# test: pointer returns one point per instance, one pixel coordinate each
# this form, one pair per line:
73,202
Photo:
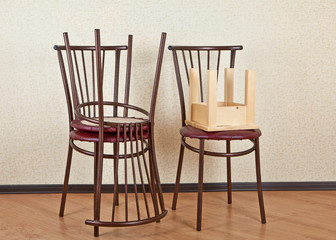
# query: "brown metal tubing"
205,48
178,177
125,162
228,172
208,61
89,119
128,72
133,172
66,88
71,70
116,81
95,182
218,61
185,65
101,132
232,58
259,184
78,78
180,88
62,47
93,84
126,224
116,162
157,76
66,180
86,82
152,191
86,152
140,170
218,154
200,74
200,185
155,169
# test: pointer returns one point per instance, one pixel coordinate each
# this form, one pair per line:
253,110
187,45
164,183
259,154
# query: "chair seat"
92,127
192,132
108,137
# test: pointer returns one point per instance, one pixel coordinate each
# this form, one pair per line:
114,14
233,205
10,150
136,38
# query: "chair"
129,128
186,57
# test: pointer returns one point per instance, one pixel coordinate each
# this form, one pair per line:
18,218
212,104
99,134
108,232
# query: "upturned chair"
190,57
129,128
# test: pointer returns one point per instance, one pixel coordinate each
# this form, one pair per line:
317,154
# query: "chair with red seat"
87,73
186,57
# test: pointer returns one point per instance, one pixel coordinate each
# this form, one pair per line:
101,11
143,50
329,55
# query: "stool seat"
192,132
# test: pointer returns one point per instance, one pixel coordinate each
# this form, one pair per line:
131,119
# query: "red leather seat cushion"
108,137
83,125
192,132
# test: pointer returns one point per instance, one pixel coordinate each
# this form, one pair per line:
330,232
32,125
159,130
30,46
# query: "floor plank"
290,215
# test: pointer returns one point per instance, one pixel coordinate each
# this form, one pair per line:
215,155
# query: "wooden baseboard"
166,188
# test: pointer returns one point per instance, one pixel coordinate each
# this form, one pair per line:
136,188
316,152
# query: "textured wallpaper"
290,45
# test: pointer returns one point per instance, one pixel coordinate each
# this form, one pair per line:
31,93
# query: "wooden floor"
290,215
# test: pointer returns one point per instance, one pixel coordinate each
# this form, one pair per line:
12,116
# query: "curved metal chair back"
186,57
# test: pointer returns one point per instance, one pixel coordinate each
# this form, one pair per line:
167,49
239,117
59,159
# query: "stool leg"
178,177
66,181
228,171
260,194
200,185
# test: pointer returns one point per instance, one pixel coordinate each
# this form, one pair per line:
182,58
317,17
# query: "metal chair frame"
90,107
185,53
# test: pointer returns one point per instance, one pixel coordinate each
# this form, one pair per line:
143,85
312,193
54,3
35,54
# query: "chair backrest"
83,83
202,57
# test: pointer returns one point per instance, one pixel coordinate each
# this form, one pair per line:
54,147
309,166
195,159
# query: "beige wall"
290,44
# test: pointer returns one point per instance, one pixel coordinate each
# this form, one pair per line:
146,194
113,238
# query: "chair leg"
228,171
200,185
115,164
98,184
156,171
66,181
155,179
178,177
260,194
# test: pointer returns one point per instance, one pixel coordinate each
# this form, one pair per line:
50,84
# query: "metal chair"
129,128
186,57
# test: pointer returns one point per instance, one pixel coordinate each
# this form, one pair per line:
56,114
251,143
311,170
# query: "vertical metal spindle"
152,191
116,81
191,60
128,72
116,173
218,61
78,78
133,171
185,65
93,84
232,59
125,158
140,169
86,83
208,62
200,74
103,65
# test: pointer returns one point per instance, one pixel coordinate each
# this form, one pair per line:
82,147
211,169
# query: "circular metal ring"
219,154
89,153
96,120
125,224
